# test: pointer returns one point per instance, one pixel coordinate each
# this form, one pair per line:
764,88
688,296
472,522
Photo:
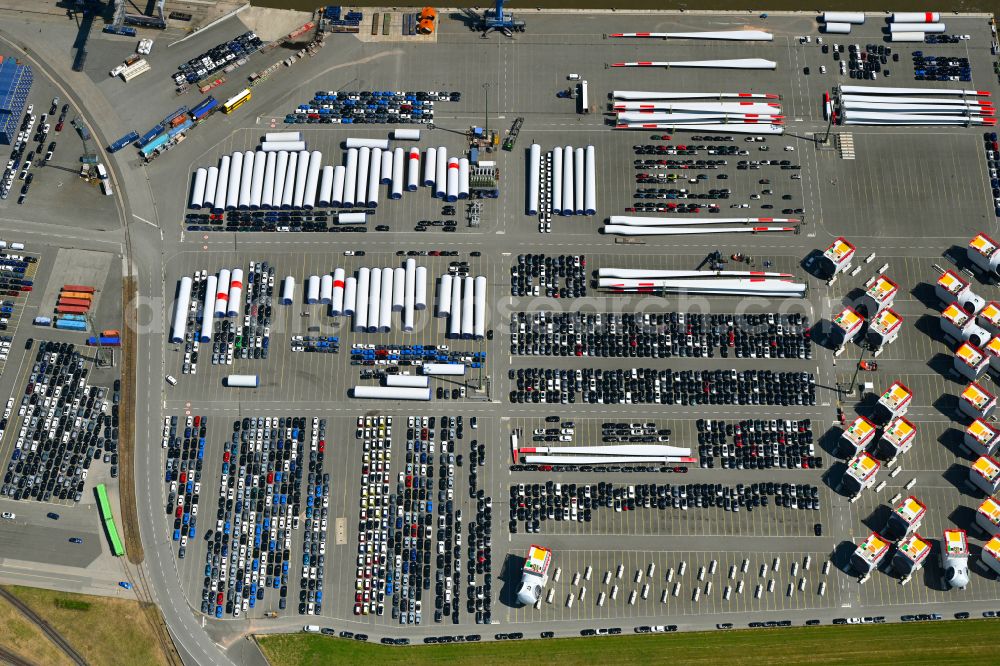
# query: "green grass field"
967,643
105,631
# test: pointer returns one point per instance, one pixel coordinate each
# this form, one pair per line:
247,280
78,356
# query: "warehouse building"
15,84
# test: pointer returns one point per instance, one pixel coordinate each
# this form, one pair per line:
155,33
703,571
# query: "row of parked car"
370,106
249,550
653,386
316,526
185,459
555,276
316,220
992,149
374,577
449,538
66,425
757,444
660,335
535,503
686,148
217,58
940,68
480,575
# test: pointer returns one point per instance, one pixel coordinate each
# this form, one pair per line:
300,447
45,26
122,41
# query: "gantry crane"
495,19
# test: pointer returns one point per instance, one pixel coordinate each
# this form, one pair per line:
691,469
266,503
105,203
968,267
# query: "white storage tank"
288,291
902,37
367,143
916,17
282,136
312,290
242,381
843,17
837,28
290,146
449,369
916,27
412,381
392,392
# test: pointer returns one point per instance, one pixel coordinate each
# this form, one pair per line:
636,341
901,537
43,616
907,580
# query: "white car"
171,380
7,515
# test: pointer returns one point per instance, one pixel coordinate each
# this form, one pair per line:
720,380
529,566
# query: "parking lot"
910,220
670,593
304,378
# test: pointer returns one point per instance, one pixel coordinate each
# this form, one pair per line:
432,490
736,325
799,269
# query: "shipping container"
75,317
150,135
183,127
206,107
154,144
74,301
79,287
111,333
124,141
71,325
179,112
76,294
71,309
104,342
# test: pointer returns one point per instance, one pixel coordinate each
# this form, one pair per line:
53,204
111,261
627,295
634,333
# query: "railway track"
141,586
46,628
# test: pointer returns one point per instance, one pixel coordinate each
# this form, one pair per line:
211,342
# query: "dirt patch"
126,442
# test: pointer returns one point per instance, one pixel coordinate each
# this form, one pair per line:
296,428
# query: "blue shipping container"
124,141
205,108
154,144
150,135
71,325
180,128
